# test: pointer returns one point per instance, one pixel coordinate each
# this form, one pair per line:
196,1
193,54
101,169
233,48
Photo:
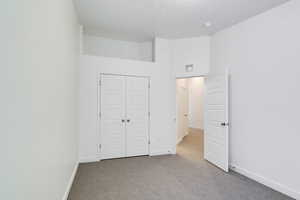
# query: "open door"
216,123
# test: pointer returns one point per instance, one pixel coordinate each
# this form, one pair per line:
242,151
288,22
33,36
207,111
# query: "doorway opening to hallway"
190,118
202,119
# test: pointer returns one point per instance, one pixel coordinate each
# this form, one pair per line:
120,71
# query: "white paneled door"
124,116
137,116
112,126
216,121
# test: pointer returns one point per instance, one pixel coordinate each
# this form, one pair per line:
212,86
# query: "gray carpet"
164,178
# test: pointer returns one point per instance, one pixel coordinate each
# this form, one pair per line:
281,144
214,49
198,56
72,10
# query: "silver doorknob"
128,120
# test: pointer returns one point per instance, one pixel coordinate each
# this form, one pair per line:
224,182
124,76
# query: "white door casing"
112,126
124,121
137,116
216,126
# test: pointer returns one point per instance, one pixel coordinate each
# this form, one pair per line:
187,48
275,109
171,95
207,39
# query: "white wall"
145,52
163,90
262,55
194,51
38,84
99,46
196,97
163,56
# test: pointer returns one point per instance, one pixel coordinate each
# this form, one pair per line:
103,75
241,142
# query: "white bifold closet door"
124,116
112,128
137,109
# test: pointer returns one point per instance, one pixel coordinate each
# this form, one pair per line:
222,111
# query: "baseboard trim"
71,180
179,140
192,129
88,159
267,182
159,153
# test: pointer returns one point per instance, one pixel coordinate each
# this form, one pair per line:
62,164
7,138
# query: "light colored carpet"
169,177
191,147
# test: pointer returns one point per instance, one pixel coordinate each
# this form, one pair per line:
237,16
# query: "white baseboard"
267,182
88,159
65,197
197,128
179,140
158,153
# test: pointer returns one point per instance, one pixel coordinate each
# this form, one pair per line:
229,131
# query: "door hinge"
149,142
148,85
100,146
100,82
148,114
99,114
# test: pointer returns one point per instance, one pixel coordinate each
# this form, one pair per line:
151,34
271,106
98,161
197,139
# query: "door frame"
99,135
176,102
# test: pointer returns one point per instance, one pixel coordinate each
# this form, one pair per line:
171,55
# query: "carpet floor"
185,176
170,177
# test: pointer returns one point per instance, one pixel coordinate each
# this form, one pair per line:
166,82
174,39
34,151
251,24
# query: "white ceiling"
141,20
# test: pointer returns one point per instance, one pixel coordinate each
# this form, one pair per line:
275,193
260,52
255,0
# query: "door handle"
185,115
128,120
123,120
224,124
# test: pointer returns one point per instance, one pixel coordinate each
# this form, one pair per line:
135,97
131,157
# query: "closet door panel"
137,118
112,108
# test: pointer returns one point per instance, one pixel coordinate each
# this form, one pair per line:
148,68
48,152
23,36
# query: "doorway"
190,118
202,119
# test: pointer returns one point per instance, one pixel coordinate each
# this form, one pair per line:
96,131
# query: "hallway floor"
191,147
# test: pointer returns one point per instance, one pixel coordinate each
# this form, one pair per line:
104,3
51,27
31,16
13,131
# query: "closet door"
137,116
112,117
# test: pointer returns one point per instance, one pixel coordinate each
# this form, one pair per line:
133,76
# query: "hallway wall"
196,102
182,108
